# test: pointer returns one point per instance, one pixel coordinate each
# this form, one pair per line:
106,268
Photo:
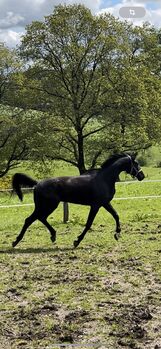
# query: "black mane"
112,159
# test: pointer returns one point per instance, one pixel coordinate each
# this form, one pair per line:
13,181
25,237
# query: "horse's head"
135,169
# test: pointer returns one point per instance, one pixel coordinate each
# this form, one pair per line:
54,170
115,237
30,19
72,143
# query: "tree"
13,147
133,73
67,52
92,73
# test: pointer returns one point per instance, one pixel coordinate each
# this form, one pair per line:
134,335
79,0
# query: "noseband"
133,167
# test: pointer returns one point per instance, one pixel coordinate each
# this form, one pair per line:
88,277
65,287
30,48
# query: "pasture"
104,294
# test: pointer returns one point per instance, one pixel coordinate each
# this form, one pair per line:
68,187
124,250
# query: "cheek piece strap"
133,167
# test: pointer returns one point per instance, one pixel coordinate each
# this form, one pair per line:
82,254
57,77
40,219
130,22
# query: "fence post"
65,212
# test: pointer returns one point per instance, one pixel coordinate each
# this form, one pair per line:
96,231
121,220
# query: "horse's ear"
134,155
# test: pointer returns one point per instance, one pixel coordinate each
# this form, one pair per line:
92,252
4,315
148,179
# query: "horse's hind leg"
92,213
50,228
28,221
46,207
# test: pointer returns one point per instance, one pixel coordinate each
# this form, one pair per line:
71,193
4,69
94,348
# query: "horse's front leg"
92,213
114,214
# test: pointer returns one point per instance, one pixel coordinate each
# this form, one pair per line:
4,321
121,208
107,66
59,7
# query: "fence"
66,206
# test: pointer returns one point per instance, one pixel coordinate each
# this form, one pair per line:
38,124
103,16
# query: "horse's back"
84,190
74,189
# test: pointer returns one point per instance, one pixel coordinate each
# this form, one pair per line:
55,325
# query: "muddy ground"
102,295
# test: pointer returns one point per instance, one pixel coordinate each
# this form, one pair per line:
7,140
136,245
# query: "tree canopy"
97,81
13,146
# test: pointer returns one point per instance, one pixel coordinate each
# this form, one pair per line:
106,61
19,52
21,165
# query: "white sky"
16,14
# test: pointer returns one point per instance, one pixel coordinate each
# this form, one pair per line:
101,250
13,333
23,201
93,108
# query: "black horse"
95,188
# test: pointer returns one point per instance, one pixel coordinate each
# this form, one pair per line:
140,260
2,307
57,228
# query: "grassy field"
104,294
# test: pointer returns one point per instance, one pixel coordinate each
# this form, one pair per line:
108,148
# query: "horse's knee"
29,220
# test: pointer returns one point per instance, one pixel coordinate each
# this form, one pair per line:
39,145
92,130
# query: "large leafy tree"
13,147
134,74
98,78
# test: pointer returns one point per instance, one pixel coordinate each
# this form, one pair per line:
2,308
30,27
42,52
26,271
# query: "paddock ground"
104,294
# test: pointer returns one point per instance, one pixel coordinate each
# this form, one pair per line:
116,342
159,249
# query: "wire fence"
66,206
121,182
116,198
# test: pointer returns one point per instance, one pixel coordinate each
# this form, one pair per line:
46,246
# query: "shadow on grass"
41,250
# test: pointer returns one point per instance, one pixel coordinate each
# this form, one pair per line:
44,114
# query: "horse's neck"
116,168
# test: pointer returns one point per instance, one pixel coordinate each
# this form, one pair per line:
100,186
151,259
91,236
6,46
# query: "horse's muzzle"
140,175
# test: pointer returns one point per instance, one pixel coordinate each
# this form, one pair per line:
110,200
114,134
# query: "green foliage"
12,138
159,164
150,157
99,77
12,120
94,81
143,161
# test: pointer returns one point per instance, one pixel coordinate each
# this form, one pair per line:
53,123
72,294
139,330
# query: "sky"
16,14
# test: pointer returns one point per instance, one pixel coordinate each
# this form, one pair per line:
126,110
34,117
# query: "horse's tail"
21,180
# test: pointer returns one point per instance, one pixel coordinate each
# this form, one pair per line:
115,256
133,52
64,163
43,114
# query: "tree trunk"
81,162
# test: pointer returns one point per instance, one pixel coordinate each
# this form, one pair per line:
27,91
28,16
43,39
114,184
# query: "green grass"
104,293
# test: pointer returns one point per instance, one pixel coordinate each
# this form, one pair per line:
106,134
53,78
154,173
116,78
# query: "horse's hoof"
14,243
53,238
76,243
117,236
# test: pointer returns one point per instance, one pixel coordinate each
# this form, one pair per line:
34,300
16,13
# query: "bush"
158,164
142,159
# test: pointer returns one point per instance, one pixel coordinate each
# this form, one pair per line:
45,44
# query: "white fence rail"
121,182
116,198
65,205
